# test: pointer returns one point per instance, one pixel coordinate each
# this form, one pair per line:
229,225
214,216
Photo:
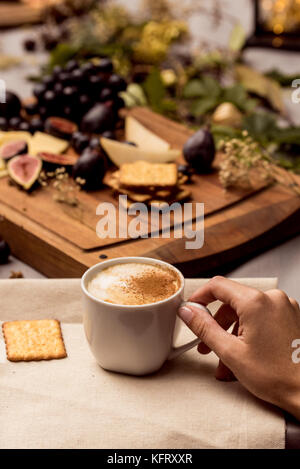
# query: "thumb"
200,321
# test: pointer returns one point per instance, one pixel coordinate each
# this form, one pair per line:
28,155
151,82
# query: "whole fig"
90,168
199,151
98,119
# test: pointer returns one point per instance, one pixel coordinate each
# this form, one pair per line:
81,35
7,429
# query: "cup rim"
129,259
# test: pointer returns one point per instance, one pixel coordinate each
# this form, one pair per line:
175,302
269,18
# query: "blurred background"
182,59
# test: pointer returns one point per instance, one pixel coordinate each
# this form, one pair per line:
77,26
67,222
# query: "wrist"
292,403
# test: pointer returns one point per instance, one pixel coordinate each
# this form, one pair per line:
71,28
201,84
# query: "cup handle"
176,351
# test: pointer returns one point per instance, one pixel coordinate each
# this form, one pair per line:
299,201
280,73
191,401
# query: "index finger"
221,288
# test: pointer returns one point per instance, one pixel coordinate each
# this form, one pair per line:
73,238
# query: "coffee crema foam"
134,284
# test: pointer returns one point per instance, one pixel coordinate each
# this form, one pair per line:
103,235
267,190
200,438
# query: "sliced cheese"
2,164
9,136
143,137
44,142
3,170
121,153
3,173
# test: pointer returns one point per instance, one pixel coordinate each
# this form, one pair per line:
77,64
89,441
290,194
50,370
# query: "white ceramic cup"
135,340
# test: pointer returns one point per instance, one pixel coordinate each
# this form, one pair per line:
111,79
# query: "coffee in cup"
134,283
129,313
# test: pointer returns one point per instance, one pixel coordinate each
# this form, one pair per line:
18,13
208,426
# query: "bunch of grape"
70,92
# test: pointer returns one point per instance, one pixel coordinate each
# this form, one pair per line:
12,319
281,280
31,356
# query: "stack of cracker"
150,183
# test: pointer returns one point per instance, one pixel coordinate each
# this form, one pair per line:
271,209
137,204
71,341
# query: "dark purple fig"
4,252
11,107
13,148
90,167
59,127
199,151
98,119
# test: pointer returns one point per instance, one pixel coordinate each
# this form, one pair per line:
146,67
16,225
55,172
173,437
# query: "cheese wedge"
41,142
143,137
121,153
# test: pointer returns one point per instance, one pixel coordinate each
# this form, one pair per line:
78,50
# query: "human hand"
259,350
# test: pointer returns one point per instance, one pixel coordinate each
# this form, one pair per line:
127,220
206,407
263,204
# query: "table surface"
282,261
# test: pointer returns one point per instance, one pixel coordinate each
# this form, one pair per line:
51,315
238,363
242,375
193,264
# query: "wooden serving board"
16,14
61,241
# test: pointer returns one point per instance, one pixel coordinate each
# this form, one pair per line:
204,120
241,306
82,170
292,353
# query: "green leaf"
255,82
221,132
237,38
261,126
290,136
238,96
202,106
134,96
168,105
194,89
61,54
212,87
155,89
207,86
282,78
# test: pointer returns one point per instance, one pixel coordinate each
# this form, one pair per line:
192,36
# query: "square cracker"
144,174
33,340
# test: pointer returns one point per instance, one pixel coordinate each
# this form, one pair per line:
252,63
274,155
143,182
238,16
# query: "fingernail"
186,314
197,306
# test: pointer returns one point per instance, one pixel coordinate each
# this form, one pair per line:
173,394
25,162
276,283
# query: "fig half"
57,159
13,148
24,170
59,127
